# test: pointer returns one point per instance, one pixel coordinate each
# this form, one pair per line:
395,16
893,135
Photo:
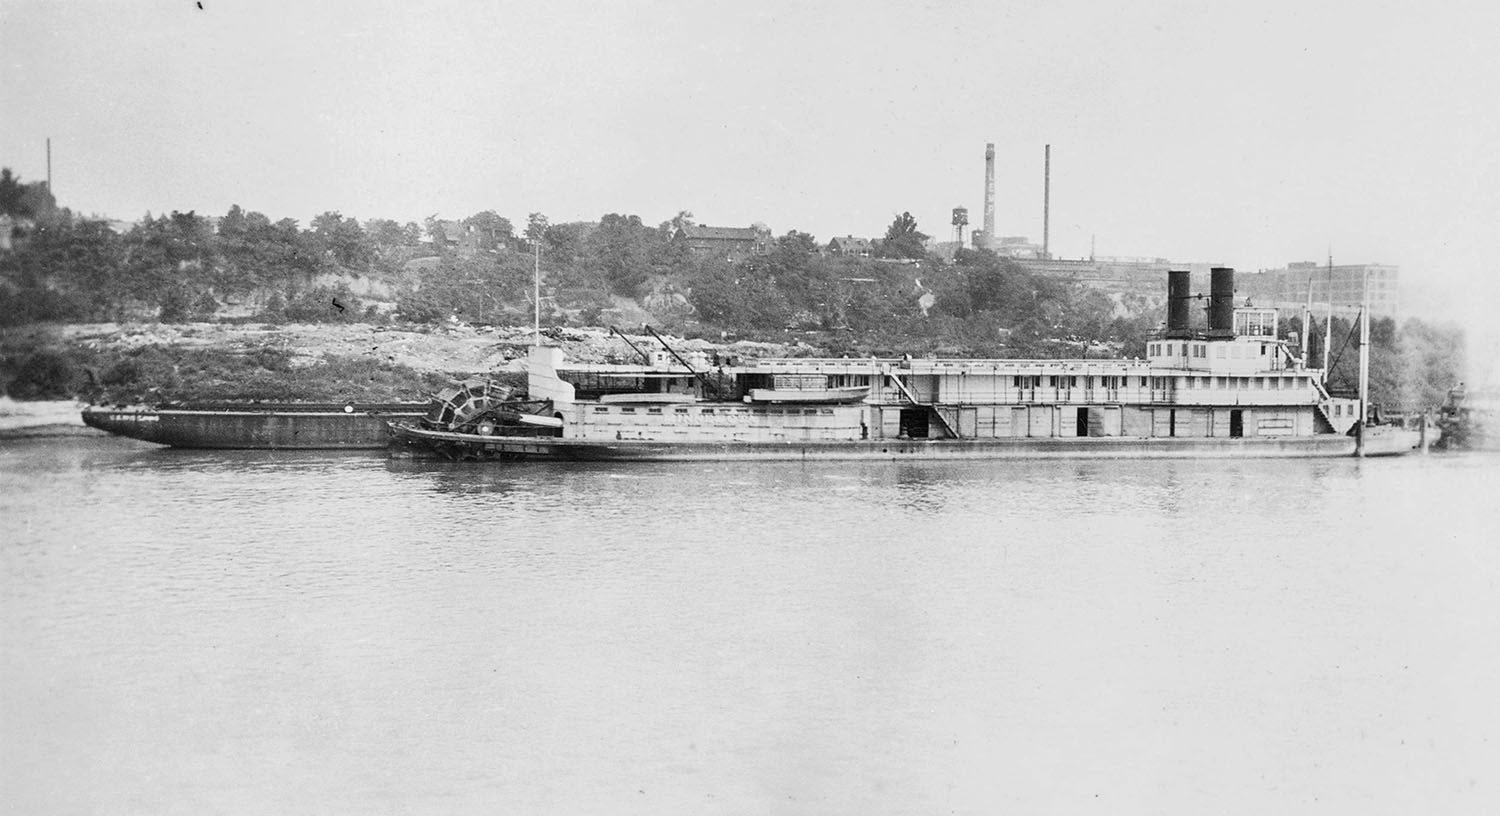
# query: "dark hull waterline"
422,443
303,426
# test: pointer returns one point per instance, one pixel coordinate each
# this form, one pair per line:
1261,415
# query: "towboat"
1232,390
1470,419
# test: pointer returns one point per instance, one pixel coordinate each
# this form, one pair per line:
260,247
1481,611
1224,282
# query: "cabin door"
914,423
1083,422
1236,423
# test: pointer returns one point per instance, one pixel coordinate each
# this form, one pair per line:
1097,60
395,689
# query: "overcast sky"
1250,134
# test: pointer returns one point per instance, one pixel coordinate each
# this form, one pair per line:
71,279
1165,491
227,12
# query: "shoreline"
21,419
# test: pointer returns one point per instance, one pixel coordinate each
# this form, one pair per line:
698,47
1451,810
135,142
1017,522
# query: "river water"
309,633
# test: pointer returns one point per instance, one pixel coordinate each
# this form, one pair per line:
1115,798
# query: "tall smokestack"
989,195
1221,303
1046,200
1179,301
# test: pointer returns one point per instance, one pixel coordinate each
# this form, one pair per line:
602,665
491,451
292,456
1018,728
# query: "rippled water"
253,633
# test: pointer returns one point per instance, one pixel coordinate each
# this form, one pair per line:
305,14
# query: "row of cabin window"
1111,381
1088,381
1243,383
604,409
1158,383
1200,350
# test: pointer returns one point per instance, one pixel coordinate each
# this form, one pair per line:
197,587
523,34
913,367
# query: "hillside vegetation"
244,267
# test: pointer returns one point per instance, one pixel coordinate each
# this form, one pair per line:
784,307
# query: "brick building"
726,241
1343,284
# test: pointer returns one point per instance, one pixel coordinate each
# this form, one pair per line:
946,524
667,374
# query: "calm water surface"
249,633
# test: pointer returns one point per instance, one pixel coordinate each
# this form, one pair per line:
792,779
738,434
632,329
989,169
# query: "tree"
623,248
24,200
493,229
1432,362
902,239
730,298
436,231
233,224
990,284
386,234
536,227
565,241
413,232
11,193
345,239
795,241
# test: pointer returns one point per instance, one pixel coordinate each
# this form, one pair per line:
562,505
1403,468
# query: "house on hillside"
468,239
726,241
851,247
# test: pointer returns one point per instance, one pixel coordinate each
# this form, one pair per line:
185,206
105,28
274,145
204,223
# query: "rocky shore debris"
264,361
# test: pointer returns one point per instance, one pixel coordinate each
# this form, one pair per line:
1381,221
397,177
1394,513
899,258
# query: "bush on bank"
37,366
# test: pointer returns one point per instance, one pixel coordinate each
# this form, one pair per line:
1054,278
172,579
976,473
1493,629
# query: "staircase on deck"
930,406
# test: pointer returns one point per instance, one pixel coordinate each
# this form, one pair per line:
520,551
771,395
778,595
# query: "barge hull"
408,441
328,429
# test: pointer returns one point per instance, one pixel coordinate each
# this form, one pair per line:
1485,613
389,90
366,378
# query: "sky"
1247,134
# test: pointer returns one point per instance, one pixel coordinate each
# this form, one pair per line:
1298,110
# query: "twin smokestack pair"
989,197
1220,303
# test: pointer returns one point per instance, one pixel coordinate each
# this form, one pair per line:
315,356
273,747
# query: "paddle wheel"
487,408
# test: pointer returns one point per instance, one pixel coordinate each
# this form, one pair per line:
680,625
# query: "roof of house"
849,241
721,233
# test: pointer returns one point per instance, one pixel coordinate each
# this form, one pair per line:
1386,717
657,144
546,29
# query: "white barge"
1232,390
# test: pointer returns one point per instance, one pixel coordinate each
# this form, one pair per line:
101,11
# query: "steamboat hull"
1232,391
300,427
415,442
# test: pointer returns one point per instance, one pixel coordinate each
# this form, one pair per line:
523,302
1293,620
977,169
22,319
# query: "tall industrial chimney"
989,195
1046,200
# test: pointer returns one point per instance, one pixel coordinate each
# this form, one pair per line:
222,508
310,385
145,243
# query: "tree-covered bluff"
244,266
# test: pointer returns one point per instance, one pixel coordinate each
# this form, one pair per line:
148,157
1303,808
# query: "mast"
536,295
1328,326
1306,320
1364,367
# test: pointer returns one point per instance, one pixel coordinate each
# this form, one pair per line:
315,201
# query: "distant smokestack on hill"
1046,201
989,194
